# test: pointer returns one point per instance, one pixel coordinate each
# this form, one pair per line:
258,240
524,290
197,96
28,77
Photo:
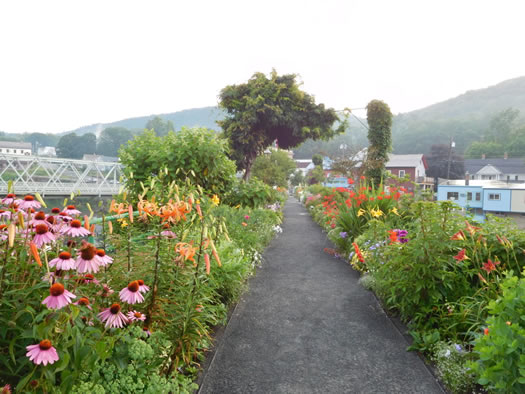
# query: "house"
486,196
16,148
496,169
304,166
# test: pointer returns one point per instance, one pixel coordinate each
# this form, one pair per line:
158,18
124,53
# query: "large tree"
266,109
274,169
111,139
160,126
441,155
74,146
379,119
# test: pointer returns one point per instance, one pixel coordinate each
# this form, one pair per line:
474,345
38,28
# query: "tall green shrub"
379,120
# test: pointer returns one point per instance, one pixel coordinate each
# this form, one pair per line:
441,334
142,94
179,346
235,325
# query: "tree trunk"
248,170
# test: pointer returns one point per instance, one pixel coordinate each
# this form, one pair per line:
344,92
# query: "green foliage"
317,159
111,139
297,178
452,364
489,149
379,120
315,176
75,147
501,363
195,154
274,169
160,126
264,109
41,139
253,193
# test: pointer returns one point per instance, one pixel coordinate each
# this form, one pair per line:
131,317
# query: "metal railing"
59,177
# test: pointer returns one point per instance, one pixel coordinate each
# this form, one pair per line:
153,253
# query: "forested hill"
202,117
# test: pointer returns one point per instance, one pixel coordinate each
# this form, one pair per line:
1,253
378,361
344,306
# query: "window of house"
14,150
401,173
7,150
453,196
508,178
469,196
494,196
516,178
478,196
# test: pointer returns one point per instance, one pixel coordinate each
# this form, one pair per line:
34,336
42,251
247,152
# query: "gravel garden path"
307,326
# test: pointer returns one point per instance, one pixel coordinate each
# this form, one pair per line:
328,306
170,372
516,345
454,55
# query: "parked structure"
16,148
482,197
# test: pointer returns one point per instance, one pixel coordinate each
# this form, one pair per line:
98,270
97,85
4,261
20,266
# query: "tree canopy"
160,126
75,147
274,169
379,120
111,139
438,161
266,109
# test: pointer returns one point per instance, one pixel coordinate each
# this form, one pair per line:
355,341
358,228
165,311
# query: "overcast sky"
65,64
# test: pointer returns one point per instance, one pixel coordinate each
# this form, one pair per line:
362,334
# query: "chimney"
505,155
467,178
483,156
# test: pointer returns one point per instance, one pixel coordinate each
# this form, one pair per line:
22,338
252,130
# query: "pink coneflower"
42,353
136,316
38,218
59,297
113,316
3,232
43,235
131,294
142,287
103,258
28,202
88,261
75,229
168,234
9,199
71,210
5,214
106,291
63,262
84,301
51,222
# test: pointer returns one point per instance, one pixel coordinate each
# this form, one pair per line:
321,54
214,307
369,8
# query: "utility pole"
451,145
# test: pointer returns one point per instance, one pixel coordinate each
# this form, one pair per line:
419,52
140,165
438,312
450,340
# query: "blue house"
481,197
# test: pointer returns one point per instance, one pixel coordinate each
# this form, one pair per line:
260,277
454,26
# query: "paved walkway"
307,326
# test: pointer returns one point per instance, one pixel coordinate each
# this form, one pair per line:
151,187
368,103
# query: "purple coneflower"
106,291
9,199
84,301
71,210
63,262
43,235
136,316
51,222
75,229
3,232
131,294
113,316
168,234
88,260
38,218
59,297
28,203
5,214
42,353
142,287
103,258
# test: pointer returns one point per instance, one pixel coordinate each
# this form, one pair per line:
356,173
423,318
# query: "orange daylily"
460,235
186,251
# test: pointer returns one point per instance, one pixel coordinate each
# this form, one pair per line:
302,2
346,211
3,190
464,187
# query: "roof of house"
505,166
15,145
412,160
486,184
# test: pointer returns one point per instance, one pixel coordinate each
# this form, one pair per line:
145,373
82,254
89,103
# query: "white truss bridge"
59,177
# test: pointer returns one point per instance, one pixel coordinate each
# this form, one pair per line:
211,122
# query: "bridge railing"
56,176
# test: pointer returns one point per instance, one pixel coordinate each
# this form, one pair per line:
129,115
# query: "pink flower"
63,262
43,236
9,199
71,211
142,287
131,294
75,229
246,217
106,291
103,258
53,224
38,218
84,301
42,353
59,297
113,316
168,234
136,316
5,214
88,260
28,203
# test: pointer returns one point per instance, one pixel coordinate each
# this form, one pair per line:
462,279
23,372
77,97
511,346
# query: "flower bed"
457,284
124,304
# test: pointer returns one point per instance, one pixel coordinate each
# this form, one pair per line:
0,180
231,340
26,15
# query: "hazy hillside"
203,117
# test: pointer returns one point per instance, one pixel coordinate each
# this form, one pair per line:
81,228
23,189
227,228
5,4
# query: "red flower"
461,256
379,197
358,253
393,236
486,331
471,229
489,266
362,177
459,236
350,181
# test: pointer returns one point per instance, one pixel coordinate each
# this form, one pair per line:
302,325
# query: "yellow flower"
361,212
376,212
215,200
394,211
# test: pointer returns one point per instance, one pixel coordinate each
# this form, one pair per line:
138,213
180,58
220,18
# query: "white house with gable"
16,148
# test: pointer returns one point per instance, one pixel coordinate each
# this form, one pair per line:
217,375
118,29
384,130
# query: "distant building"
16,148
48,151
496,169
304,166
486,196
